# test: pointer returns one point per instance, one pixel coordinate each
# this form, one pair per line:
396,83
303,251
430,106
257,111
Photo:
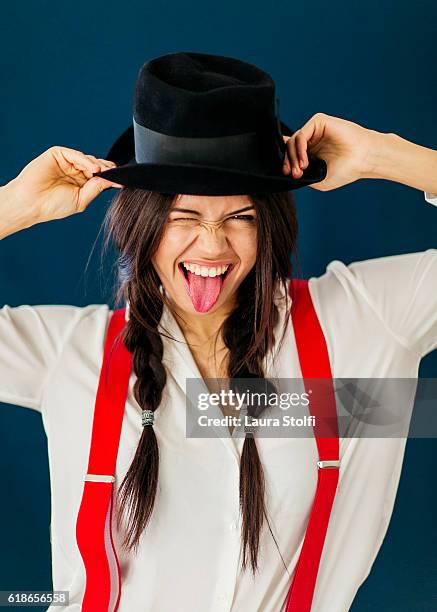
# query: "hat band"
250,152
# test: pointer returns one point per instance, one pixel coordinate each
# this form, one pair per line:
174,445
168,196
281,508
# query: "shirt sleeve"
402,289
31,341
431,198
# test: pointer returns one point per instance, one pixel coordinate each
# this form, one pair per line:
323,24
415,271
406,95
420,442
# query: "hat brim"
201,180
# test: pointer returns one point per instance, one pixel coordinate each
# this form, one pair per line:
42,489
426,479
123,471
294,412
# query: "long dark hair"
135,222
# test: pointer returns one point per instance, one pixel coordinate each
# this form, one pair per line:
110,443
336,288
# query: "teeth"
205,270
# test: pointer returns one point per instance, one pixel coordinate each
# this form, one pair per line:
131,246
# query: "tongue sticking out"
204,290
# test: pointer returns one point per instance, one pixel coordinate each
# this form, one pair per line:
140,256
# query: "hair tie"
147,417
249,428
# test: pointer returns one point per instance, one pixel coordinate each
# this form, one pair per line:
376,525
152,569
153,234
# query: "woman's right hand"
54,185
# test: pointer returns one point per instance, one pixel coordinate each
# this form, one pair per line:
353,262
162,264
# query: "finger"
106,163
291,147
91,190
101,161
301,150
312,130
88,164
309,134
102,164
76,159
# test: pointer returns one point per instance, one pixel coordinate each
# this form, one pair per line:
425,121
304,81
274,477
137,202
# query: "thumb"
91,189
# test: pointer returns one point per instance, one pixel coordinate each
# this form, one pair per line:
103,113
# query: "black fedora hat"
205,125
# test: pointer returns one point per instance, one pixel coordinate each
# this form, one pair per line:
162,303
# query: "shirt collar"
176,347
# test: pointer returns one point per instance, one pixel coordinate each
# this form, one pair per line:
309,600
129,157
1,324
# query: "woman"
184,543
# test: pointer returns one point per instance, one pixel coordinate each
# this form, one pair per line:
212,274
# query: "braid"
138,489
245,361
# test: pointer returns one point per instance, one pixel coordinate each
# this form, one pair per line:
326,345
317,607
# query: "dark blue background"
68,71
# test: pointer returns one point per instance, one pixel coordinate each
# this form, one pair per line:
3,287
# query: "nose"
212,240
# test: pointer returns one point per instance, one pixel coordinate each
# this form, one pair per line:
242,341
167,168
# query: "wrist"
15,214
396,159
381,158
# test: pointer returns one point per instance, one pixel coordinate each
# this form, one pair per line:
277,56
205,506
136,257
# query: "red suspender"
93,527
314,362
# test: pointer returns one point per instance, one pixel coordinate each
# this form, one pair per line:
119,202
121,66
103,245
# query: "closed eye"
242,217
237,217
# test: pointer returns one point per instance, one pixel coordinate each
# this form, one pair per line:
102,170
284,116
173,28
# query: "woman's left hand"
346,147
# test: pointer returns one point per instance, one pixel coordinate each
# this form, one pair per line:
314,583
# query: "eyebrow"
196,212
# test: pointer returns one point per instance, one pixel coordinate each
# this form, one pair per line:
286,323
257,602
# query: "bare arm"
353,152
54,185
402,161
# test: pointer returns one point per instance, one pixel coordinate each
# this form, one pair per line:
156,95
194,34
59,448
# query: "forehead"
215,205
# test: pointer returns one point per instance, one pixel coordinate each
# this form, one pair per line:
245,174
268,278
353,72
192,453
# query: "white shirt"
431,198
379,318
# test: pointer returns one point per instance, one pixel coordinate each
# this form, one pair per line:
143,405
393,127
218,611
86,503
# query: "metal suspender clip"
99,478
328,464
